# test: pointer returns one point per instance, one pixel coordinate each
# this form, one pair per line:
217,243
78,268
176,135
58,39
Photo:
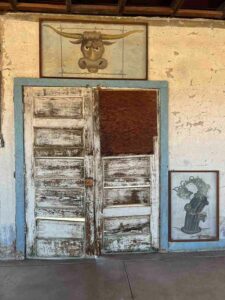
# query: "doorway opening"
92,170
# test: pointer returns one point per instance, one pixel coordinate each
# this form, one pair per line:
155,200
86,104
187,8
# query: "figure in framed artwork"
195,190
83,49
193,206
92,46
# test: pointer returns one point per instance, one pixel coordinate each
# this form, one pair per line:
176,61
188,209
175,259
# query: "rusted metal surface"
89,182
128,121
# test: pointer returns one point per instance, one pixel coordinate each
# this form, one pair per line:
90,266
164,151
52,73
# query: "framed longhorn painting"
93,50
193,206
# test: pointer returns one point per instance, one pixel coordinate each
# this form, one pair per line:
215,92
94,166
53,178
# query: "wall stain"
193,33
200,123
176,53
175,113
214,130
169,73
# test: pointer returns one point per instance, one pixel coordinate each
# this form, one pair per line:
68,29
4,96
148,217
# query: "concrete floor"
152,277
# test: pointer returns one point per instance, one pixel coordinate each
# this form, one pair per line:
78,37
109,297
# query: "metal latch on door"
89,182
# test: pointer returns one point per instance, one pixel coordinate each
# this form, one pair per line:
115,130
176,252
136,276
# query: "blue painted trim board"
19,83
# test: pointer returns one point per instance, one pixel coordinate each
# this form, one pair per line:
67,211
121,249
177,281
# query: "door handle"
89,182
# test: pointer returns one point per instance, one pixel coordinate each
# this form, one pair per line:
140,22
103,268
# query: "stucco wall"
190,54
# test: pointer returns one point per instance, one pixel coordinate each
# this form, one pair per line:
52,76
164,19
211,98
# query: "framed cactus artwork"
193,206
87,49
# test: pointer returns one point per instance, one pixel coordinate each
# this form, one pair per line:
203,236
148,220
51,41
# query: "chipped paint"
196,94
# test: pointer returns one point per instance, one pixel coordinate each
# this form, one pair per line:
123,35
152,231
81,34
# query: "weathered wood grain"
60,183
59,229
58,198
131,182
56,91
127,225
98,165
58,107
59,167
126,196
61,212
126,171
126,167
59,248
58,137
126,211
58,151
127,200
58,130
127,243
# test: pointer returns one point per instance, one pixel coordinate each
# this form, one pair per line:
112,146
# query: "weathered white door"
59,171
128,189
80,200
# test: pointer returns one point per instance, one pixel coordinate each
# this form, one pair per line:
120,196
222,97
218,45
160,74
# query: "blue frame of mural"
19,83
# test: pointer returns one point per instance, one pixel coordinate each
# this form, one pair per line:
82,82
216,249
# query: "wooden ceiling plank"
121,6
175,5
68,6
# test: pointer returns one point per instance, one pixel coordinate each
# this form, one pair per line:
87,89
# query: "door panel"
127,223
129,164
59,156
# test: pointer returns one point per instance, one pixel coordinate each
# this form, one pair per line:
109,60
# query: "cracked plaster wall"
189,54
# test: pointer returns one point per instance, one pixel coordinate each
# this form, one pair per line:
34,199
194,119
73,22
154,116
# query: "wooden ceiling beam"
4,6
222,8
13,4
41,7
176,5
68,6
194,13
90,9
147,11
121,6
94,9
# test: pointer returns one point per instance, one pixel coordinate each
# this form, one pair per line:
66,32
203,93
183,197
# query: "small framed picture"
193,206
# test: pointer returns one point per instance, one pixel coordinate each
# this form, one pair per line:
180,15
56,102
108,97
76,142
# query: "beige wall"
190,55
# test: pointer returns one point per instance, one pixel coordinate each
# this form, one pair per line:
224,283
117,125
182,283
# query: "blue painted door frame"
19,83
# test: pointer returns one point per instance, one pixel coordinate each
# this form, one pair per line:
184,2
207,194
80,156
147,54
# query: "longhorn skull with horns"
92,46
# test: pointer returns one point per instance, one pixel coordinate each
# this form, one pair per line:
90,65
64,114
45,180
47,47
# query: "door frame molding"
19,83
